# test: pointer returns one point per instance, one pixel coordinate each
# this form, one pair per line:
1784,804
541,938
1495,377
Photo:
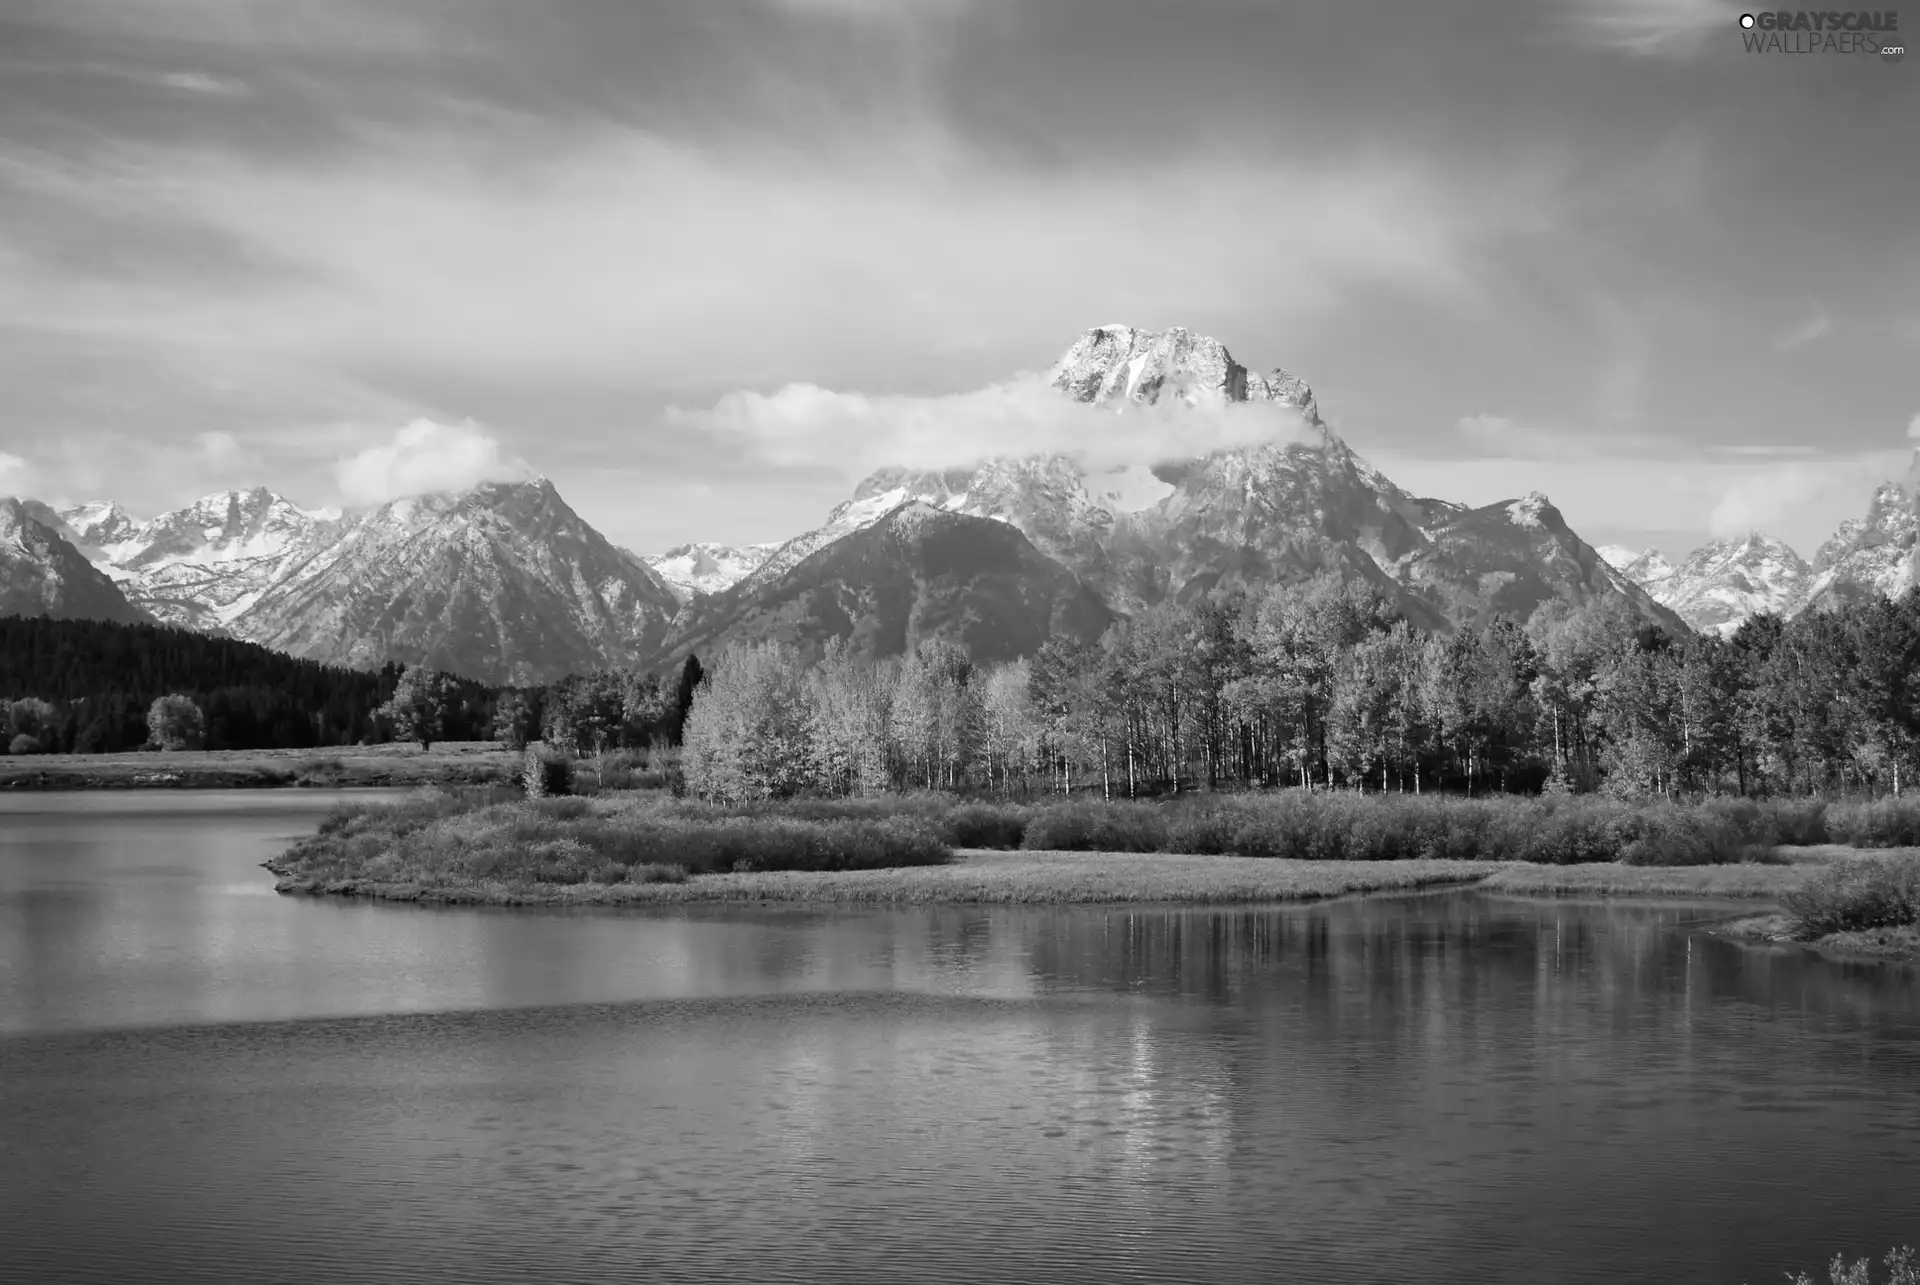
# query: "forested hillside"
85,686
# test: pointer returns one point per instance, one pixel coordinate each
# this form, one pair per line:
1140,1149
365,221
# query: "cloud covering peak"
804,424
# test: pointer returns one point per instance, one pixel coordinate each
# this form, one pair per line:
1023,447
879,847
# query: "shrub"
544,773
1849,896
24,744
1881,823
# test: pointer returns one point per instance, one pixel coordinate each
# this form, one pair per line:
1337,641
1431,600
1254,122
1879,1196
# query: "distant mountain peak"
1116,364
1724,581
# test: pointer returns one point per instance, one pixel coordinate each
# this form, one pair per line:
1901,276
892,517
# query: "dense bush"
23,744
1097,827
1341,826
1881,823
1849,896
1773,822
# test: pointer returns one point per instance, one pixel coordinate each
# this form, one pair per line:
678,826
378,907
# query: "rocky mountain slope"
1507,559
504,583
918,572
43,573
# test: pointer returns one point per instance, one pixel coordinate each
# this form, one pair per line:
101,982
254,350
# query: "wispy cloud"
1498,437
889,11
198,82
1671,29
1815,327
1764,496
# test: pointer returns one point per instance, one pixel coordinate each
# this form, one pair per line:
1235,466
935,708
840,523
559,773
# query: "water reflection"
1443,1087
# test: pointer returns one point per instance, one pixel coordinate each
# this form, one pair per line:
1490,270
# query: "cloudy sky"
346,249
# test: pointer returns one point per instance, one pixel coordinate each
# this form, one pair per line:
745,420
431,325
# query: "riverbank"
984,876
1869,943
345,767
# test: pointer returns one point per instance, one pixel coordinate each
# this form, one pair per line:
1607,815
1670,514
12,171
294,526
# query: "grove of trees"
1321,685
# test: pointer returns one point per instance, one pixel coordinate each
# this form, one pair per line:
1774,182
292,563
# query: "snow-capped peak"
1119,364
1721,583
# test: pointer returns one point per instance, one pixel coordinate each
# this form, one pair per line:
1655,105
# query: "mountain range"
1721,584
506,583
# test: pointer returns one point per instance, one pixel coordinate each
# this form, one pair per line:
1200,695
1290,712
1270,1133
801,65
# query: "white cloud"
1677,29
802,424
425,457
220,448
17,477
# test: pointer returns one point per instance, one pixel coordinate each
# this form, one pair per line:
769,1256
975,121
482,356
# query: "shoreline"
980,876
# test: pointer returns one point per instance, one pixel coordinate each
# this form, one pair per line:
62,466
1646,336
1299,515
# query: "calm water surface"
202,1081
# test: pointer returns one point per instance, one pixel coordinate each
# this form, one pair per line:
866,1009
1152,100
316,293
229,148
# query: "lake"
201,1080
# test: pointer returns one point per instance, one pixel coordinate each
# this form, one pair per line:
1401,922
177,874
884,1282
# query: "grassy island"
449,763
645,847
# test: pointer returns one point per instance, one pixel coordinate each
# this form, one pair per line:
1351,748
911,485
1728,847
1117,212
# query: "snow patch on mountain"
1526,511
691,569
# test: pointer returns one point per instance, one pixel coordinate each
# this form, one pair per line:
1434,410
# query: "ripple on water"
1359,1092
